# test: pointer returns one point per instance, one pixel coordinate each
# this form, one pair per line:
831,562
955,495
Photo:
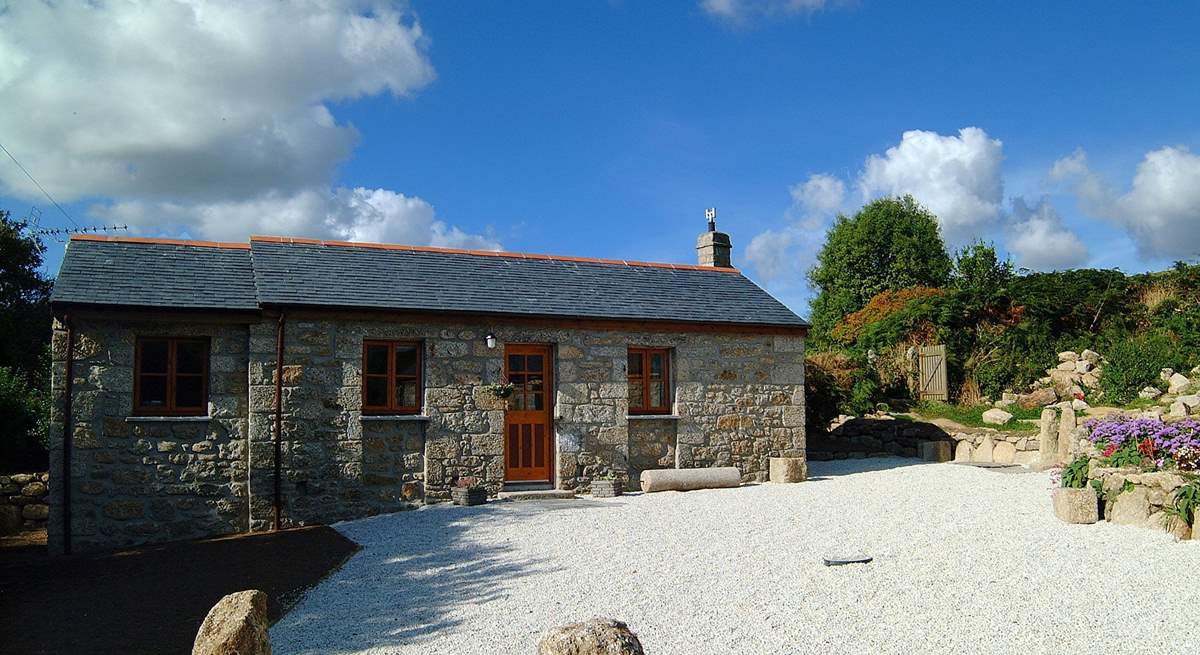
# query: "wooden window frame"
645,353
169,408
392,408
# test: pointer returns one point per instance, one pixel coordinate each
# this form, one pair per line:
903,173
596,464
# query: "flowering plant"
1124,441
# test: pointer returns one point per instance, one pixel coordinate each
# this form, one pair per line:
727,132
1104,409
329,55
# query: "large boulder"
996,416
1003,452
236,625
934,451
1048,438
1037,398
10,519
596,637
1090,356
983,452
963,451
1149,393
788,469
1177,383
1131,507
1068,356
1076,505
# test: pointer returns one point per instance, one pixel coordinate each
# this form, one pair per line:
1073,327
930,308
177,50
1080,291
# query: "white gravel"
966,560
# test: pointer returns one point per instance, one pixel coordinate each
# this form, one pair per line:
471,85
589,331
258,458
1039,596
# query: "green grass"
973,416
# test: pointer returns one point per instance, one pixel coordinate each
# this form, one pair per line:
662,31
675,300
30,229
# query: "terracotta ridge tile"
167,242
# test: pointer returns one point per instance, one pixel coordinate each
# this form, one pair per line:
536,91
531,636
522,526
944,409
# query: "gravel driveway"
966,560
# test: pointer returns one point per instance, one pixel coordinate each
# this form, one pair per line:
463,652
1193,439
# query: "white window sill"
654,417
167,419
394,417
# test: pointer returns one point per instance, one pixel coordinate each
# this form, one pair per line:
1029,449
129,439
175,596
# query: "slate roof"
156,273
281,271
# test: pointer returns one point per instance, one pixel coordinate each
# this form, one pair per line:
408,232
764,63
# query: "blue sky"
605,128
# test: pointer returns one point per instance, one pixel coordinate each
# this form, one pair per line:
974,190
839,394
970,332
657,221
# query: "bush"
1134,363
1075,475
828,378
24,420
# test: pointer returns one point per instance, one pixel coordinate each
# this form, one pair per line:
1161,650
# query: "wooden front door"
528,454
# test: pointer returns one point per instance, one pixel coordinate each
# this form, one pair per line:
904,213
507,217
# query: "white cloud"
956,177
210,118
779,254
356,214
190,98
1161,211
743,10
820,196
1041,241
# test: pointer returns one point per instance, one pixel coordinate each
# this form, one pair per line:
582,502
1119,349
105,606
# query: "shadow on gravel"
415,572
153,599
822,470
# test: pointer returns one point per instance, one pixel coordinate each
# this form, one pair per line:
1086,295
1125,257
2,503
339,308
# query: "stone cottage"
207,388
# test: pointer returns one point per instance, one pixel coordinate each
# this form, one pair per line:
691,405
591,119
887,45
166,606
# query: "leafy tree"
979,273
26,415
24,345
24,300
890,244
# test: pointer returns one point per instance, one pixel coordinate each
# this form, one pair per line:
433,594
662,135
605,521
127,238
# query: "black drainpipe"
68,429
278,417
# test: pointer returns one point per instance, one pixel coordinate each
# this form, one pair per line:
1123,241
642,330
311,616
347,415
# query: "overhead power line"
39,185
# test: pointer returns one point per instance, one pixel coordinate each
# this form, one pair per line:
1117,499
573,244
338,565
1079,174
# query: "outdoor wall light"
491,340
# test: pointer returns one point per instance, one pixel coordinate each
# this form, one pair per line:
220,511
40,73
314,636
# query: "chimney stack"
713,247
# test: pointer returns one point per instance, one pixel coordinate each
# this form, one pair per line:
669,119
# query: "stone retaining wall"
1132,497
23,501
885,435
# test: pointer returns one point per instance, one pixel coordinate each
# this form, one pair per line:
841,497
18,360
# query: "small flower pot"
607,488
467,496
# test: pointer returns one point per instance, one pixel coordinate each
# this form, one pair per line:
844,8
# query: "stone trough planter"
1076,505
607,488
467,496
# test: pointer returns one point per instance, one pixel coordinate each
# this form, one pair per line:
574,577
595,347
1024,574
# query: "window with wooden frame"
391,377
649,373
170,376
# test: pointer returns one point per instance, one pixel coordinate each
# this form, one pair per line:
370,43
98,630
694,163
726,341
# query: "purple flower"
1168,439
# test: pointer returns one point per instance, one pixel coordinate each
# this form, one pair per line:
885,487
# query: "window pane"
406,393
635,393
516,362
189,391
406,360
635,363
656,366
658,394
376,392
154,356
190,356
377,361
534,363
517,399
153,391
535,401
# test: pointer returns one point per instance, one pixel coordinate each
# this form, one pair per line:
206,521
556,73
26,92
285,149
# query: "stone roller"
690,479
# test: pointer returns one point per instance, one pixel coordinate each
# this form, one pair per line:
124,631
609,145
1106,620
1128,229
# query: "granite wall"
136,480
738,400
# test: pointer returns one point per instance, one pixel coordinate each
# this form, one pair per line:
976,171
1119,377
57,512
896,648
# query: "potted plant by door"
609,486
467,491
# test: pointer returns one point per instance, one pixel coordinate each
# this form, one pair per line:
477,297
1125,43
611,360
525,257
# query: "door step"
537,494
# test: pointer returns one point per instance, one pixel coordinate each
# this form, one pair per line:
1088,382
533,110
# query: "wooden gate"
933,373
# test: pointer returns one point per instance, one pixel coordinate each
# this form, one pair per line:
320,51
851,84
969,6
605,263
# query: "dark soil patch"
152,599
